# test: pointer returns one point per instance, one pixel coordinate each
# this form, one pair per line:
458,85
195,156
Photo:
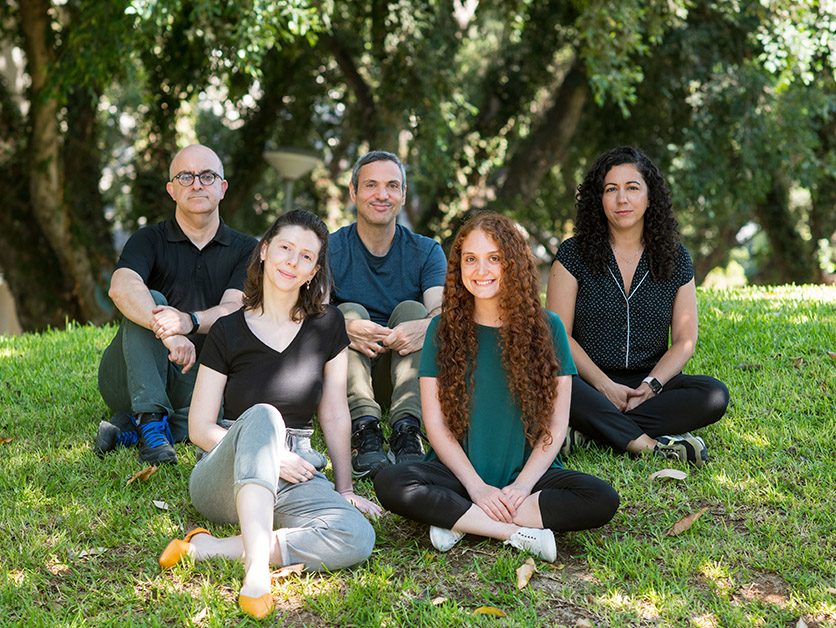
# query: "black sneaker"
120,431
405,444
367,457
684,447
155,439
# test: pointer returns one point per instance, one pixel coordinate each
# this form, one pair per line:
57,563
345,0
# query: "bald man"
173,280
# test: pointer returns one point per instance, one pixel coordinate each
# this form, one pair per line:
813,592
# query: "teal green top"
495,440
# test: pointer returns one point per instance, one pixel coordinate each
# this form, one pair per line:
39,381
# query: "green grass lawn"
79,546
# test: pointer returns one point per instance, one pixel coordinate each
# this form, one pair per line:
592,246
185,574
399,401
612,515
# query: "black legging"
687,402
428,492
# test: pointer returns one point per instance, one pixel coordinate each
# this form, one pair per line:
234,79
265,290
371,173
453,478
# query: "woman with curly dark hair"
495,380
273,364
622,286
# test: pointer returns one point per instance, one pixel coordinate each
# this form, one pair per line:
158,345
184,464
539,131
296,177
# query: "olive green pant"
389,380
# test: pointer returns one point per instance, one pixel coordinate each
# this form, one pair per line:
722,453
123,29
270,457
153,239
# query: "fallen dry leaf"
797,361
748,367
438,601
686,522
92,552
143,475
160,505
583,623
801,623
524,573
488,610
5,439
557,567
196,619
673,474
830,590
287,570
831,355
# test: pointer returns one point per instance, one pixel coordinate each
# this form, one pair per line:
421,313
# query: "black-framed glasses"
207,177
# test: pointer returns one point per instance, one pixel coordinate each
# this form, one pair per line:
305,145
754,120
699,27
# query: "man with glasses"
172,281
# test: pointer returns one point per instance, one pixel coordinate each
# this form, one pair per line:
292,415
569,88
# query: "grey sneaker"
537,541
444,540
684,447
574,440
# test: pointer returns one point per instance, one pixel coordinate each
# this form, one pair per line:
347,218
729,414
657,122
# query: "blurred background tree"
500,105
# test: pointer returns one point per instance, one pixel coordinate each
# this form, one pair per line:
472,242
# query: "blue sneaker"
120,431
155,439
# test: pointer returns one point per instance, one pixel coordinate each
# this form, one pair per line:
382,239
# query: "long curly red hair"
526,344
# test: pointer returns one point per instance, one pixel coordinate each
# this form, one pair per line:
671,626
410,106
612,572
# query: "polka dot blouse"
623,332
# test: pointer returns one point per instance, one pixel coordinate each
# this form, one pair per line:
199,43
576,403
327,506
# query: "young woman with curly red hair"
495,377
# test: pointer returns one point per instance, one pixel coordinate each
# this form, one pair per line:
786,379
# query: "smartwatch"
196,323
655,384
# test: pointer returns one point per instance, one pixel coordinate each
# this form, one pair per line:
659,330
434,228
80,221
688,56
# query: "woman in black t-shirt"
622,286
275,363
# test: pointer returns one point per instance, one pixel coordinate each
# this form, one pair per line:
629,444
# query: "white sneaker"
535,540
443,539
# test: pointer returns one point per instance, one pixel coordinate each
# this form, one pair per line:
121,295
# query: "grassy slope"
764,553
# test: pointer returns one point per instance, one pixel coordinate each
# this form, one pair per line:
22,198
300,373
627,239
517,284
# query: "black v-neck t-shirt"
290,380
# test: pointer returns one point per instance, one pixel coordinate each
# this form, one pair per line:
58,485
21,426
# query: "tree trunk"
548,143
46,193
792,258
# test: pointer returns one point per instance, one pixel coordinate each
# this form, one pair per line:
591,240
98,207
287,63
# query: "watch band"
195,322
655,384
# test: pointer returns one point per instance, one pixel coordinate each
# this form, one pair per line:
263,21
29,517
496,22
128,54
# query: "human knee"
354,312
407,311
390,485
717,398
158,297
351,539
264,421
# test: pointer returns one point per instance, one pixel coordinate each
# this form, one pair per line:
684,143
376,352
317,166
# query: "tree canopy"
500,105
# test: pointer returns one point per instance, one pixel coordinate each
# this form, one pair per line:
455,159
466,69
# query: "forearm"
337,432
231,301
132,297
673,361
587,369
452,456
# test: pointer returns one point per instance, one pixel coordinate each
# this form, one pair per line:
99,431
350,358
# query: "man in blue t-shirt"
172,282
388,285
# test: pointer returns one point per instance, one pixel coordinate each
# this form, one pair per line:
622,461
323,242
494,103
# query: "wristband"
655,384
195,322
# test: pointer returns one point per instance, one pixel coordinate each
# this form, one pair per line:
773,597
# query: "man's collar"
175,234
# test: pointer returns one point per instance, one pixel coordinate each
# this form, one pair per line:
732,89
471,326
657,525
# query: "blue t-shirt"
413,264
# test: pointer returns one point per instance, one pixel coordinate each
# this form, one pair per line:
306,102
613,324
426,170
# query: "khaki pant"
388,380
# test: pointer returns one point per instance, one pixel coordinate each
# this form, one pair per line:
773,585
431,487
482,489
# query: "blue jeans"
315,524
135,376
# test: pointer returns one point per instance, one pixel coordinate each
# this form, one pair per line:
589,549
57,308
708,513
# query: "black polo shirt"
619,332
191,279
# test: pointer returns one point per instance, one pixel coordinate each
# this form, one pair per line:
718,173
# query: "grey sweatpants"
316,525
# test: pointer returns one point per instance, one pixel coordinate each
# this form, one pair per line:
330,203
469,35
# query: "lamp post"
291,164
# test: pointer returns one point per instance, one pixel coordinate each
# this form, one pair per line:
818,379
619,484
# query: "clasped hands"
372,339
170,325
500,504
625,398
